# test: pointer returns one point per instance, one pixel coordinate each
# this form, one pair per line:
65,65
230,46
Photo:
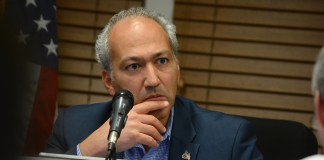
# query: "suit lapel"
180,149
182,135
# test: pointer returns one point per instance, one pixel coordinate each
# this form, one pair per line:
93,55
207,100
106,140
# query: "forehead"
137,35
136,22
136,28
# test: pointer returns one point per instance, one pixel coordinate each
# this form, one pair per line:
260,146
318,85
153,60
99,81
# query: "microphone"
122,103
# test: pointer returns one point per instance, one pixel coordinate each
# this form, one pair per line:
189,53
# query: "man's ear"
319,108
106,79
179,79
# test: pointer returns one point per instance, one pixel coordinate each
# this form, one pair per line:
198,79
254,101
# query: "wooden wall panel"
199,2
260,100
96,70
265,51
116,6
75,50
74,67
76,18
76,4
97,86
102,19
304,118
67,82
76,34
201,45
195,77
201,13
270,35
261,67
196,93
99,98
201,29
195,61
279,5
112,6
270,18
288,5
260,83
70,98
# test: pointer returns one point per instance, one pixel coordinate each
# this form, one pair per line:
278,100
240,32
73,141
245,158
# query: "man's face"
143,62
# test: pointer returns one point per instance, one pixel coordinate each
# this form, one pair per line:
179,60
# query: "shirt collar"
169,125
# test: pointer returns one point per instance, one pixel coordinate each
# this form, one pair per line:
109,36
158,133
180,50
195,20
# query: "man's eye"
162,61
132,67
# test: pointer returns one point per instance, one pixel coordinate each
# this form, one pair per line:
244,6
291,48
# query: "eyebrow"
158,54
138,58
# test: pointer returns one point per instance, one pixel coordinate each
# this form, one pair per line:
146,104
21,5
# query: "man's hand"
140,128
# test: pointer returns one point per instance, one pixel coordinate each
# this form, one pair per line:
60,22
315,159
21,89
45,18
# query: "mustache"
150,92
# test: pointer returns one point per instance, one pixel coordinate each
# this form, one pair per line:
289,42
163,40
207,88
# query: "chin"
157,114
160,115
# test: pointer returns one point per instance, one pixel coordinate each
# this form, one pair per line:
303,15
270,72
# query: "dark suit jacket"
204,134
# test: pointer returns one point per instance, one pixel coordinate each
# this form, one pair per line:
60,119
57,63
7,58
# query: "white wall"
164,7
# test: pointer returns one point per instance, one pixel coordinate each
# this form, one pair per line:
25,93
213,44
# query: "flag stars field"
51,48
42,23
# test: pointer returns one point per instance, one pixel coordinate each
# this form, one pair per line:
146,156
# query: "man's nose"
151,77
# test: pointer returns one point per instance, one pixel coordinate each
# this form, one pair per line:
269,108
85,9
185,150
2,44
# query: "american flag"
34,25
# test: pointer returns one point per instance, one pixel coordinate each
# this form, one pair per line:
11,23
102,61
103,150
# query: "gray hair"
103,48
318,74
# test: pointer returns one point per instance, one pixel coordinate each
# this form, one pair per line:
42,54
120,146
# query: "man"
318,92
137,51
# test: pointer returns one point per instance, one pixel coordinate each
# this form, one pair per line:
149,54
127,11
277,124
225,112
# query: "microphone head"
125,94
122,103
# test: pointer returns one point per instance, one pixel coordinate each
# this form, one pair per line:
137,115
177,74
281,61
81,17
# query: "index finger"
148,106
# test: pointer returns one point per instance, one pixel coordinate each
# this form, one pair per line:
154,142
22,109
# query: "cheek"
124,80
132,84
172,81
176,76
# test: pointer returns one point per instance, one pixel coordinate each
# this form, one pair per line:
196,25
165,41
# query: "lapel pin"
186,155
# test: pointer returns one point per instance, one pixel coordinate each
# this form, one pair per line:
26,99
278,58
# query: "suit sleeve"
56,142
245,143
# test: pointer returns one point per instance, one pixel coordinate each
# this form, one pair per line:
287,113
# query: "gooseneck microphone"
122,103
